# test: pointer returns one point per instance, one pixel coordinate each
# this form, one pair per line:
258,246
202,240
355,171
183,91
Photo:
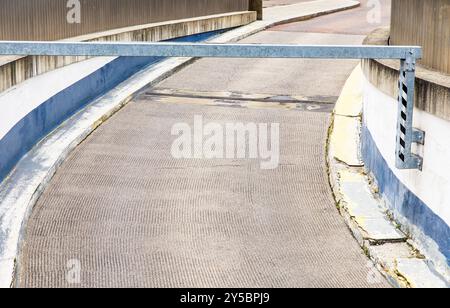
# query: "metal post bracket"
418,136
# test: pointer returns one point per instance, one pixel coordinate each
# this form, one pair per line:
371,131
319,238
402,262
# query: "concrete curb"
356,196
20,192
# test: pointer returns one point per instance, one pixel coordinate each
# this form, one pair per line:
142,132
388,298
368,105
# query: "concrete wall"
14,70
47,19
425,23
418,199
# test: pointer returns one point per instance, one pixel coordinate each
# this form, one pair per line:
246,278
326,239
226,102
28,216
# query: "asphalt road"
126,213
358,21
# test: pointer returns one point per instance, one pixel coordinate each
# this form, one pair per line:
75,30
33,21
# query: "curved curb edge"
357,199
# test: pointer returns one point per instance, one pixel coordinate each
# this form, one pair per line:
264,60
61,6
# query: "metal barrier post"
406,134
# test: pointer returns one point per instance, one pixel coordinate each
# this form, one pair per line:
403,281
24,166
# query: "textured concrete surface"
345,140
21,190
134,216
350,103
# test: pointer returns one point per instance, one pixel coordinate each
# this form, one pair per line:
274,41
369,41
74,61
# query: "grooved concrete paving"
134,216
317,79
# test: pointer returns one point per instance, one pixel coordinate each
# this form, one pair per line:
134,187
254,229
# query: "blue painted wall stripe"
401,199
51,113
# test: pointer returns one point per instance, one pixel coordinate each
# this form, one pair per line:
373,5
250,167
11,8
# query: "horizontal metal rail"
206,50
408,55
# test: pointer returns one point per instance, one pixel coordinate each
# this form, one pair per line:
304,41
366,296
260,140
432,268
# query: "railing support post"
406,134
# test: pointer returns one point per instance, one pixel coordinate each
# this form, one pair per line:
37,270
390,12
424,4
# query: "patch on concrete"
345,140
367,212
19,192
229,99
350,103
260,97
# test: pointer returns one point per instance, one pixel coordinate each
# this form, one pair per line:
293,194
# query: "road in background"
270,3
358,21
320,80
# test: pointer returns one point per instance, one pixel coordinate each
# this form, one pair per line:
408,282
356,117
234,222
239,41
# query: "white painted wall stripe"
17,102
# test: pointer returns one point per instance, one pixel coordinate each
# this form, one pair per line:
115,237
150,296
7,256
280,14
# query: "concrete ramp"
130,215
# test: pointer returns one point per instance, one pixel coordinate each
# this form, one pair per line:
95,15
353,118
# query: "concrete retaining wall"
418,199
14,70
425,23
61,19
